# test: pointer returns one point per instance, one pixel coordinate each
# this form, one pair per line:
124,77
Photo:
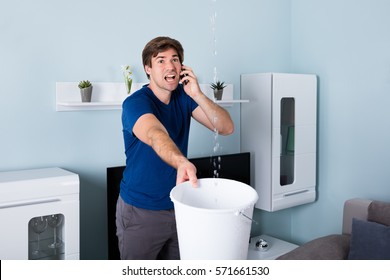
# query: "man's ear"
147,69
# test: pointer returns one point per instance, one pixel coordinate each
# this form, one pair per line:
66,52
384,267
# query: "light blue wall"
44,42
345,43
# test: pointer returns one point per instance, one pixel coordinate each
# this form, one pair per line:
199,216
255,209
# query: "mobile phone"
182,76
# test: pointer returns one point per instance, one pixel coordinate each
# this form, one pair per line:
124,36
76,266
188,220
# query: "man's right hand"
186,171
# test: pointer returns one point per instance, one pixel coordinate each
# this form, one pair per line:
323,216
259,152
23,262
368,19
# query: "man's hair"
160,44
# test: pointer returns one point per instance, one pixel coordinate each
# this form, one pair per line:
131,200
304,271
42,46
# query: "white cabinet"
39,214
278,128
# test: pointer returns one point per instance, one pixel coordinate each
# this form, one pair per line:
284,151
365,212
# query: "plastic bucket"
214,220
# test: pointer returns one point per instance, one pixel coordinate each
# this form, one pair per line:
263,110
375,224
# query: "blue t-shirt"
147,179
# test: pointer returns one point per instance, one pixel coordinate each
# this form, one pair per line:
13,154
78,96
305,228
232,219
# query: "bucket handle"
242,214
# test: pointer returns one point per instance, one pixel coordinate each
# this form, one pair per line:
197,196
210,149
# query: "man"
156,123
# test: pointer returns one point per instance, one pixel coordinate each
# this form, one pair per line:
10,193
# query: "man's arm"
150,130
208,112
212,115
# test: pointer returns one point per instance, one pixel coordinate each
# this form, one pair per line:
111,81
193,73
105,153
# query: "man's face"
165,70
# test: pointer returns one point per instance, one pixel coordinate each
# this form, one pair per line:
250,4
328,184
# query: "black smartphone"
182,76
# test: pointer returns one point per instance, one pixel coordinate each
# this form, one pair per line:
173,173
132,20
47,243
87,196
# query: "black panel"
114,177
232,166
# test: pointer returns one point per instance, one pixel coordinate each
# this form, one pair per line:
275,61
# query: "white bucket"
214,220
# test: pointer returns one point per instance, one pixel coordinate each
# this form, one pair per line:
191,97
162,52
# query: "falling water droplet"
214,41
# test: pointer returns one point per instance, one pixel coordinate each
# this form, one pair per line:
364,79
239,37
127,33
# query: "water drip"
216,148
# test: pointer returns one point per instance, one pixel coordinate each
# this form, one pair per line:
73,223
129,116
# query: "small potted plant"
127,75
218,87
85,90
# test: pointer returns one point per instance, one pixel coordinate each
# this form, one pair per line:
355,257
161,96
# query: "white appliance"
39,214
278,128
274,248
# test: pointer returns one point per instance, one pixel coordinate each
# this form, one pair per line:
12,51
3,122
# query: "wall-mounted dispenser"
278,128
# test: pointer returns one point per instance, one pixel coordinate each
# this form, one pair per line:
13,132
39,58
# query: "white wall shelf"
227,97
105,96
109,96
226,103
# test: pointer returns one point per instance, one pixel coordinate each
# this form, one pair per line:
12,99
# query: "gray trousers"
146,234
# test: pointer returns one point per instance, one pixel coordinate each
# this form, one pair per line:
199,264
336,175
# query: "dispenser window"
287,135
45,237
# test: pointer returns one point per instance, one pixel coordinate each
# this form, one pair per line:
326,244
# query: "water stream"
216,160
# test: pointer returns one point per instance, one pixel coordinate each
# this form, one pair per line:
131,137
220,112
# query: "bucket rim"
238,209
